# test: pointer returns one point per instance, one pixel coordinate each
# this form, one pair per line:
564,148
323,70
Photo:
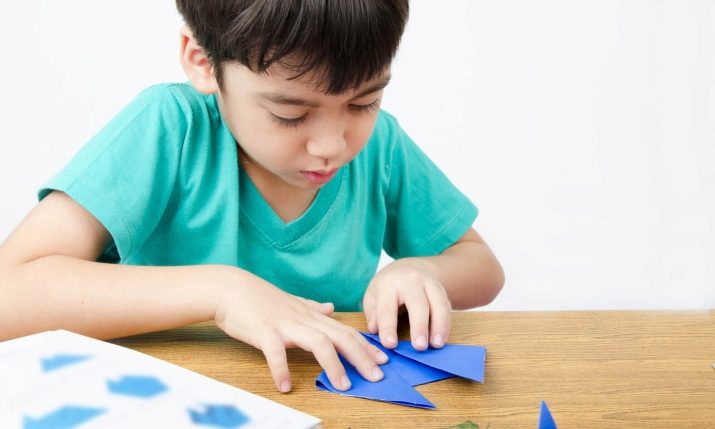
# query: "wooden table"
606,369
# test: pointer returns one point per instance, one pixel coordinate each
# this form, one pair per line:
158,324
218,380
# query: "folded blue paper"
545,419
408,367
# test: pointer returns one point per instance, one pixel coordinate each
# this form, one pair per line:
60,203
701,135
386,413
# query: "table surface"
594,369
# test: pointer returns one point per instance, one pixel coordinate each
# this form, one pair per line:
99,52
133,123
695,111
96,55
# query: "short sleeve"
426,213
125,174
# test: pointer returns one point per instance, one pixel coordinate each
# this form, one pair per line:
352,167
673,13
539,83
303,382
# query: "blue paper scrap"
67,417
545,419
60,361
408,367
221,416
141,386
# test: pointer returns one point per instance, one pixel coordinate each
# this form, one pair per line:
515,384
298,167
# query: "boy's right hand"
258,313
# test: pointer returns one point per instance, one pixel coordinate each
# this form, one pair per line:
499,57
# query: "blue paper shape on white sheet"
407,368
220,416
61,360
546,421
67,417
141,386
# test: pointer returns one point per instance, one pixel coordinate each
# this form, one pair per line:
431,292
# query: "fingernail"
346,382
377,374
421,342
391,340
381,357
285,386
438,340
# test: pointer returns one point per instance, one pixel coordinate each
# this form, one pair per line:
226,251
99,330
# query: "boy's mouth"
319,177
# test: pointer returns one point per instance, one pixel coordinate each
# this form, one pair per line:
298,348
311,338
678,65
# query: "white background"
584,130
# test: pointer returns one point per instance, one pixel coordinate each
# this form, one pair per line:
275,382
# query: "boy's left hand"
409,282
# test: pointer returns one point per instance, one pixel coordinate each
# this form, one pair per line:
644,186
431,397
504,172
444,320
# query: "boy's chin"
307,185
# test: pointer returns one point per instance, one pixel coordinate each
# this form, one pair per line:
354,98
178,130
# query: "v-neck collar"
267,220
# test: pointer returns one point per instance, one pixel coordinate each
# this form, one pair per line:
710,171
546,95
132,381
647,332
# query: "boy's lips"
319,177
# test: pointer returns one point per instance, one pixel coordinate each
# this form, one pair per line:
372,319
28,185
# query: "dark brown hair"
343,42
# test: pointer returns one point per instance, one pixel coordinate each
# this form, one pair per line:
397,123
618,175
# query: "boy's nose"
327,146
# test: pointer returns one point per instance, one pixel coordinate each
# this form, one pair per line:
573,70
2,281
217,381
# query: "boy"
258,196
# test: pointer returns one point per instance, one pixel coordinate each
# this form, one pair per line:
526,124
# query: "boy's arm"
469,271
465,275
49,280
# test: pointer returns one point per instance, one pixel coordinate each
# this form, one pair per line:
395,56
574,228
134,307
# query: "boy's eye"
366,108
288,122
294,122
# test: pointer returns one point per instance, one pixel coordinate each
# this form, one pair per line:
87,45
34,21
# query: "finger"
368,305
318,343
440,316
418,311
326,308
275,353
386,308
353,347
372,324
379,356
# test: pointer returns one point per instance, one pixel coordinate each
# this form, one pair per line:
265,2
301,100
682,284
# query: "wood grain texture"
606,369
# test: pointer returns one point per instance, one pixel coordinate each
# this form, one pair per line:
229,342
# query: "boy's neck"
287,201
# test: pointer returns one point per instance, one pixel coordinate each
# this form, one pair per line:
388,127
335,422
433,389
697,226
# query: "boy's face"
292,133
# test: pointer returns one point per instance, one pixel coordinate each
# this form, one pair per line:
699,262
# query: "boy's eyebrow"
374,88
293,101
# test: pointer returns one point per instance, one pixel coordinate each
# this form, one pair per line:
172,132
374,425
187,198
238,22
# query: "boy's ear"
196,64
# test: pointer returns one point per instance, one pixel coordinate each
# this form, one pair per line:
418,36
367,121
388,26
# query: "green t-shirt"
163,177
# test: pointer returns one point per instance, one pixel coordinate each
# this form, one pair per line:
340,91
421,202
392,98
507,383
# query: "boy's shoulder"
174,106
386,142
387,136
173,94
386,124
386,133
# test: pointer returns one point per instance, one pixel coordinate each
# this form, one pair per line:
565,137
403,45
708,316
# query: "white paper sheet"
62,380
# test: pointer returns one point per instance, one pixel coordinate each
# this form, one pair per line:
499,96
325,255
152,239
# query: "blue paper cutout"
457,359
545,419
137,385
411,373
392,388
408,367
222,416
67,417
60,361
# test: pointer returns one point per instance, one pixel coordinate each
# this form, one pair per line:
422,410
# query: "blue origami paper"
545,419
407,368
